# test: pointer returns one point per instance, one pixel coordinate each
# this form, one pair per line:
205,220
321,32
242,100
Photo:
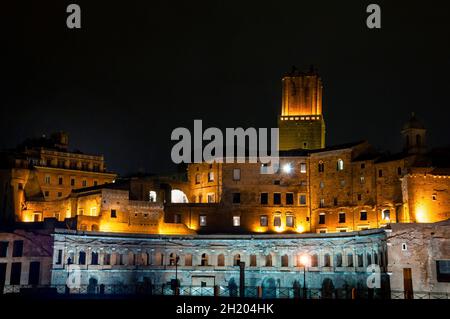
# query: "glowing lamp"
287,168
304,260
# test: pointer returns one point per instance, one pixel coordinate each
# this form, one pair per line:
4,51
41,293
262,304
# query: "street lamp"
304,261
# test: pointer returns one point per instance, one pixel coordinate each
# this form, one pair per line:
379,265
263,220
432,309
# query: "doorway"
407,283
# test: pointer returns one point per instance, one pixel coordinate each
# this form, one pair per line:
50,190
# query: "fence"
216,291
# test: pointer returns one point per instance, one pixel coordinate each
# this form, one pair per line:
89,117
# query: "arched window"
284,261
269,260
131,259
94,258
326,260
204,261
237,259
321,167
340,165
375,258
82,258
349,260
369,258
188,260
159,259
152,196
221,260
338,260
252,260
94,227
360,260
172,259
107,259
314,260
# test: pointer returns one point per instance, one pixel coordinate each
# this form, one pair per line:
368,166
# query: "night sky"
138,69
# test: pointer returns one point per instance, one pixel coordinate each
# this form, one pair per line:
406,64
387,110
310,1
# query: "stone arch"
92,287
178,196
327,288
269,288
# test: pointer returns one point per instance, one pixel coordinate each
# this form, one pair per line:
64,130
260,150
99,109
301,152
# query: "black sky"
138,69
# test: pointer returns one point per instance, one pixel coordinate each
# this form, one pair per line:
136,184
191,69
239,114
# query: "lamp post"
304,261
177,258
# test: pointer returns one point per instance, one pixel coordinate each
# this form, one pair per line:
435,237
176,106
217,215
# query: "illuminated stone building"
272,261
44,170
340,206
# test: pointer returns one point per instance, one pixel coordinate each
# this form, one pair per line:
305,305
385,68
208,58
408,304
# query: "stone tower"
414,136
301,123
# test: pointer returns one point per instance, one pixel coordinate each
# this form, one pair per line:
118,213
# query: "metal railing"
215,291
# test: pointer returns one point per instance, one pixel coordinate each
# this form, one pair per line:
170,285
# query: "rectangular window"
197,178
302,167
59,194
72,182
236,198
360,260
113,213
359,196
363,215
289,198
46,193
177,218
289,221
263,221
322,202
59,257
236,221
252,260
188,260
210,176
33,276
322,219
47,179
335,201
341,218
93,211
95,183
236,174
362,179
211,198
363,166
277,221
202,220
380,173
107,259
264,198
277,198
84,183
443,270
60,180
16,272
18,248
4,248
302,199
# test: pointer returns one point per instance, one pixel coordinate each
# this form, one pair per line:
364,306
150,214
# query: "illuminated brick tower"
301,122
